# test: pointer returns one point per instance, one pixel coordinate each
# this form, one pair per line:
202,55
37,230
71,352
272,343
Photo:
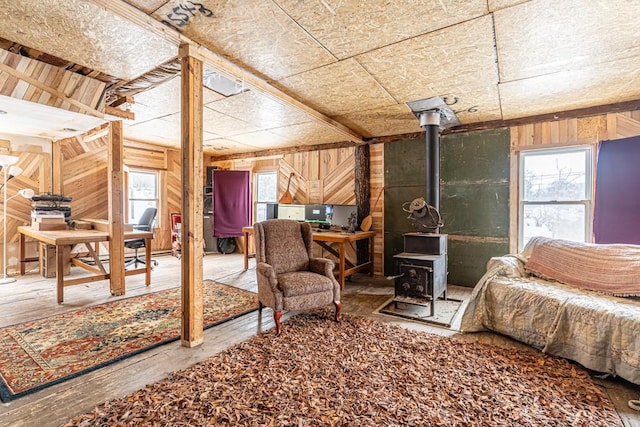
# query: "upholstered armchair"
288,277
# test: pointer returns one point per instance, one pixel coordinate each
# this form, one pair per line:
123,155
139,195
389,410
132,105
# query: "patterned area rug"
362,372
38,354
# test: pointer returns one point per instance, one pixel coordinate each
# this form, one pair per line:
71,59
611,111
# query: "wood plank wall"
559,133
36,175
331,172
376,177
325,176
35,81
84,177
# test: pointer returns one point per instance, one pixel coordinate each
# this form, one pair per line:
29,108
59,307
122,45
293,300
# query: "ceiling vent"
221,84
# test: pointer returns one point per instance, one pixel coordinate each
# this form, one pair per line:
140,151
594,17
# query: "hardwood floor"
34,297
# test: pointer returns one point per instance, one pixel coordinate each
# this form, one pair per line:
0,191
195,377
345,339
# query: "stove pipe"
430,121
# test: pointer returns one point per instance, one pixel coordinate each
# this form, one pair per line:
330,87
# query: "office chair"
146,222
176,235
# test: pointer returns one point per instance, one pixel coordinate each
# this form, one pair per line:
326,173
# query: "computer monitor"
341,214
317,213
272,210
296,212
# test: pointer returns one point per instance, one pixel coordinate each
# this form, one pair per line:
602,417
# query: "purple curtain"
617,202
231,202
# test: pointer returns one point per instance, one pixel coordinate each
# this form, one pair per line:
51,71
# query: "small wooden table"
329,239
334,242
247,231
62,238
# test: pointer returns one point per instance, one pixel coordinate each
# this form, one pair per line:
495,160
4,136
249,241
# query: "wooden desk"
62,238
335,243
246,231
329,239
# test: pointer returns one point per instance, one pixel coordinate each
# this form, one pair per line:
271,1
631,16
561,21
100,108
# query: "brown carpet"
365,373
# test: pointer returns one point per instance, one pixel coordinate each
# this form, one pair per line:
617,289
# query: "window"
266,184
142,193
555,194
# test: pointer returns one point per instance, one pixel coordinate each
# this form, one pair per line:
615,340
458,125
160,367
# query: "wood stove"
421,270
422,267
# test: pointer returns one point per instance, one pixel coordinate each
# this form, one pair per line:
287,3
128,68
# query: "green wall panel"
474,158
475,210
404,180
474,198
468,260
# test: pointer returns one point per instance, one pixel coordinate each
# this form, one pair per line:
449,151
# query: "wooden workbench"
62,238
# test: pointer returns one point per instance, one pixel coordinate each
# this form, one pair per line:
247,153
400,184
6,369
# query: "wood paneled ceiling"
330,71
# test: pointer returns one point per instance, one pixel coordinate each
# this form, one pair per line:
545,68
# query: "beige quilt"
601,332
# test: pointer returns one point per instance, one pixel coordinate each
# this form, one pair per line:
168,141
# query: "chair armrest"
267,275
322,266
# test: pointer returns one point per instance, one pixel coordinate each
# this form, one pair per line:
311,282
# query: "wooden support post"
363,196
56,167
192,231
116,208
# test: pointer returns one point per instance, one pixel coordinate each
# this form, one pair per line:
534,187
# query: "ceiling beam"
549,117
212,59
121,114
128,99
280,151
619,107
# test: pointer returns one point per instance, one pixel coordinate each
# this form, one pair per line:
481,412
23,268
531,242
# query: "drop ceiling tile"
260,139
164,100
224,125
392,120
165,130
157,102
84,33
615,81
209,96
224,146
42,121
261,110
457,63
338,88
350,27
256,35
148,6
310,133
501,4
543,37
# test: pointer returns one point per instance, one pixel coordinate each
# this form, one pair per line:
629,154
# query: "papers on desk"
48,220
47,215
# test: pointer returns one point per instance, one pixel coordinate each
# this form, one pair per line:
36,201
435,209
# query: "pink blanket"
612,269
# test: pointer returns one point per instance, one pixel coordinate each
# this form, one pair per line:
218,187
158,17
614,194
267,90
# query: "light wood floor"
33,297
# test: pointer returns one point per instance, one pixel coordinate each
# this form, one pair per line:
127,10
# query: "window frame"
155,199
256,201
587,203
